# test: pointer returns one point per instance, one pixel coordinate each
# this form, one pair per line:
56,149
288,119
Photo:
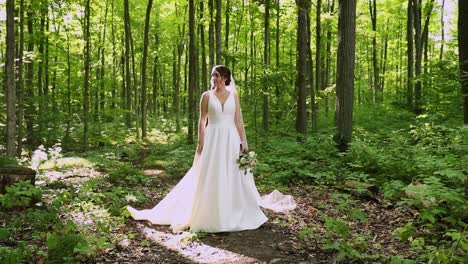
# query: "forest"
358,109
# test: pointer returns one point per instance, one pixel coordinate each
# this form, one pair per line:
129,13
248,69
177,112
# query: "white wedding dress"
214,195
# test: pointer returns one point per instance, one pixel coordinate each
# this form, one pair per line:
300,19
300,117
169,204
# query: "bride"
214,195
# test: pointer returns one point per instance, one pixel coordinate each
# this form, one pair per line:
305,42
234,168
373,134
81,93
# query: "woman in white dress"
214,195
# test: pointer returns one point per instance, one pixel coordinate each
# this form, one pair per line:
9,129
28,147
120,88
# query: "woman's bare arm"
202,121
240,124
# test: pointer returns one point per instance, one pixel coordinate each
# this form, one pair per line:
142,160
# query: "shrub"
20,194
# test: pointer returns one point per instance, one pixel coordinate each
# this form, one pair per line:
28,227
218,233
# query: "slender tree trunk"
69,104
20,84
418,45
204,70
103,58
463,57
442,32
425,43
375,63
318,48
211,35
226,34
29,100
277,64
310,75
114,61
384,64
192,71
266,65
330,9
136,108
143,69
87,55
345,73
301,66
53,98
156,79
218,33
40,69
155,93
410,55
128,90
10,78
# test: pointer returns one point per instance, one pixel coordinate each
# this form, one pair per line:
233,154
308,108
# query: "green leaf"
4,233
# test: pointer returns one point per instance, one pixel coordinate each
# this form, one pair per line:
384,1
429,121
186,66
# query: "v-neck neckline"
219,101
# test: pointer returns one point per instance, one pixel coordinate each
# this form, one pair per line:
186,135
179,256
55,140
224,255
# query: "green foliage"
393,190
306,233
20,254
338,238
127,174
61,246
8,161
20,194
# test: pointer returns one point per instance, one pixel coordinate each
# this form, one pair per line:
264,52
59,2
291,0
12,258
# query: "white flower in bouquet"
247,161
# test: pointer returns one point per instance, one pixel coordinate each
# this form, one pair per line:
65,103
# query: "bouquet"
247,161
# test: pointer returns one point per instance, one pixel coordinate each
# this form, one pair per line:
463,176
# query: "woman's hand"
244,147
199,148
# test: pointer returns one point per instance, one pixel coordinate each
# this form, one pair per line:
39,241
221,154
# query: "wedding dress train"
215,195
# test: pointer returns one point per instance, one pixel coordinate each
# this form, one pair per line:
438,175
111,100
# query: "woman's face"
217,79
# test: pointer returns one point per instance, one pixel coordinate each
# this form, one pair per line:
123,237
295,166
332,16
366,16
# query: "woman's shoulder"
206,94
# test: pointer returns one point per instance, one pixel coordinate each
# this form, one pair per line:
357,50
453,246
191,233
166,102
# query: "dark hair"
224,72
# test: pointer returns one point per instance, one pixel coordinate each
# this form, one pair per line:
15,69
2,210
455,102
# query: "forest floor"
327,226
296,237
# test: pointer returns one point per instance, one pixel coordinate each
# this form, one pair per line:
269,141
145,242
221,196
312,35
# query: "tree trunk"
128,90
418,45
204,70
218,33
40,69
69,117
318,49
10,78
29,100
226,34
463,57
102,56
114,61
87,54
375,62
20,84
143,69
384,64
410,55
310,75
266,65
192,71
425,43
442,32
345,73
156,79
277,64
301,66
318,55
330,9
211,37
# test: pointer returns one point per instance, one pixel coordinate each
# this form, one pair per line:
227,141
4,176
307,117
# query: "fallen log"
9,176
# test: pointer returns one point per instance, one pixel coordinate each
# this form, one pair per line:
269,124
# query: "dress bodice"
219,114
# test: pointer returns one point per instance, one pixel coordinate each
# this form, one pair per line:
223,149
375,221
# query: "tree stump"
9,176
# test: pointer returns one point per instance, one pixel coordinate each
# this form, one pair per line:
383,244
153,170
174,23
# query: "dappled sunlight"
152,172
194,250
75,170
